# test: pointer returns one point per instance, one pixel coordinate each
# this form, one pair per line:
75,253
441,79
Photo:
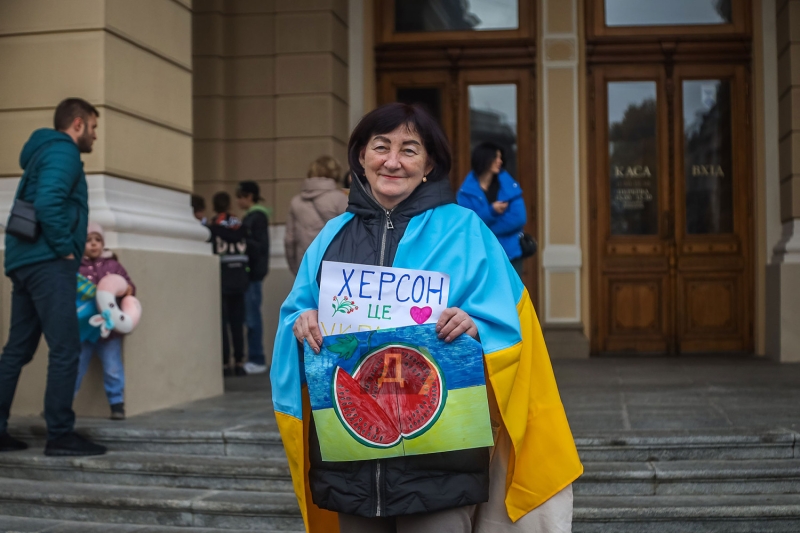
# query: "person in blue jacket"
496,198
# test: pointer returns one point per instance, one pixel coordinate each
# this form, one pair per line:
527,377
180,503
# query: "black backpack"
231,247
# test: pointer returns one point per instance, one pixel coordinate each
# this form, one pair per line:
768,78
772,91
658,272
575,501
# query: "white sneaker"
252,368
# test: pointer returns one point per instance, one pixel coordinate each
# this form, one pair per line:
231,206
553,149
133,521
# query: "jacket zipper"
378,488
387,226
386,229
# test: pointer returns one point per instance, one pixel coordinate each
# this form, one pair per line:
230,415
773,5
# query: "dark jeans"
43,301
255,325
518,264
233,318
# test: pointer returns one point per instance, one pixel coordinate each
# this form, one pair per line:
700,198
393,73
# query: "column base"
783,312
566,343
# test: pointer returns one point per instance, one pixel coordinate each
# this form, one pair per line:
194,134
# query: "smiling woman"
401,214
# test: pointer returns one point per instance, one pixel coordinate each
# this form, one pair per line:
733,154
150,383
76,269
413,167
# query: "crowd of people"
243,247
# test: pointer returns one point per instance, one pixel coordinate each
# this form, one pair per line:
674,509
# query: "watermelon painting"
394,392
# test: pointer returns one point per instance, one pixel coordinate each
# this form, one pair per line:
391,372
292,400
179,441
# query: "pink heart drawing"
420,314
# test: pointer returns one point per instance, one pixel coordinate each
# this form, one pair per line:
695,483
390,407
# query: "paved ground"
696,394
678,393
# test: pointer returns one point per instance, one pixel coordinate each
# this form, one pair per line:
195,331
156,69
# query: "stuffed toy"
121,317
87,308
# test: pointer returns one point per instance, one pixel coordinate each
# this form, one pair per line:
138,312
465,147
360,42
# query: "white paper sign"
362,297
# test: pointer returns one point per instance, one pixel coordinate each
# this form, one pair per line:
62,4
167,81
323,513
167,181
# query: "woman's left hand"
453,323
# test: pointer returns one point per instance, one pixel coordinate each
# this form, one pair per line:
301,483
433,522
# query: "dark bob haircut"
388,118
483,156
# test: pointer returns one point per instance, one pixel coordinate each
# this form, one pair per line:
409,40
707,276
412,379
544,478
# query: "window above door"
403,21
660,19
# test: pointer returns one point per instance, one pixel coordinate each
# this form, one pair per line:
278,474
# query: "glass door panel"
469,15
708,157
430,89
493,118
428,97
667,12
633,157
497,106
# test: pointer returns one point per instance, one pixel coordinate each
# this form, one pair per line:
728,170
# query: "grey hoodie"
320,201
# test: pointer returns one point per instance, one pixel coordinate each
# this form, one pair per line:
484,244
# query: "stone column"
133,61
783,275
271,95
560,190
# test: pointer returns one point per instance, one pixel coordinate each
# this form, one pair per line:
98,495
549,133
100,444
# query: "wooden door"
670,209
713,217
476,105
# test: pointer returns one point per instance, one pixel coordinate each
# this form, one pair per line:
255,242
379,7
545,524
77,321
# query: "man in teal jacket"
44,274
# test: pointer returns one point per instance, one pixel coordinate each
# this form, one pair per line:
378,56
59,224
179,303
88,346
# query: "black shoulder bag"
528,244
22,222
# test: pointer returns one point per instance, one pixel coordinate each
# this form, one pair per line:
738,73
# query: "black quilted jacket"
401,485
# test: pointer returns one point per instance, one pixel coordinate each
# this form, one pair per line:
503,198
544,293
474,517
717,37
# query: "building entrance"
671,186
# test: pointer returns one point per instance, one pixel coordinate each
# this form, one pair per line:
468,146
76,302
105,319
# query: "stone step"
733,443
149,469
263,440
38,525
253,440
771,476
154,506
683,514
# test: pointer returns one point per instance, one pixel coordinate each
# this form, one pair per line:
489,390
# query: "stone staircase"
730,481
174,480
152,480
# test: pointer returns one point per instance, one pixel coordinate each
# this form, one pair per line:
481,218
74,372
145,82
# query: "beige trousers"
553,516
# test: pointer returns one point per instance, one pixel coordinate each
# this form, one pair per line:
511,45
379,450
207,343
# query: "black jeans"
43,301
233,312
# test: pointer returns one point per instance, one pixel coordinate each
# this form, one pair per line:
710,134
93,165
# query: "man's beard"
85,142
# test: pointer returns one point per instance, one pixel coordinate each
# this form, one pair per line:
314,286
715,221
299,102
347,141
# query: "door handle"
667,223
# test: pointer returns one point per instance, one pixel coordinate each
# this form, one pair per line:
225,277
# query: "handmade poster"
394,392
361,297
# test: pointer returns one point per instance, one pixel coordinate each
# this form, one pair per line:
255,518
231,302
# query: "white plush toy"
122,317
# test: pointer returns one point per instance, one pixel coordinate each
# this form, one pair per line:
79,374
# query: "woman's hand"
453,323
306,327
500,207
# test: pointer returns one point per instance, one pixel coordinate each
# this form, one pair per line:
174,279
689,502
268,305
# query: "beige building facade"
654,253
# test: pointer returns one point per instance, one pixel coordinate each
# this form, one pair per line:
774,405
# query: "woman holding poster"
402,214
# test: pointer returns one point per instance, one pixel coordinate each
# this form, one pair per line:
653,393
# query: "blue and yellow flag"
455,241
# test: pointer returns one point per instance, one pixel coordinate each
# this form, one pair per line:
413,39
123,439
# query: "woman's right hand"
306,327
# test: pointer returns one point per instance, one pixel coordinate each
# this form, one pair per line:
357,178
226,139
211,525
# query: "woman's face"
394,164
497,164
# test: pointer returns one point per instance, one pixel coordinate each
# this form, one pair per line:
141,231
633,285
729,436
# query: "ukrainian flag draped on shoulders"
483,283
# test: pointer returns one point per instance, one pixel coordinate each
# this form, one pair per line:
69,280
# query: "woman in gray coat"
320,201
